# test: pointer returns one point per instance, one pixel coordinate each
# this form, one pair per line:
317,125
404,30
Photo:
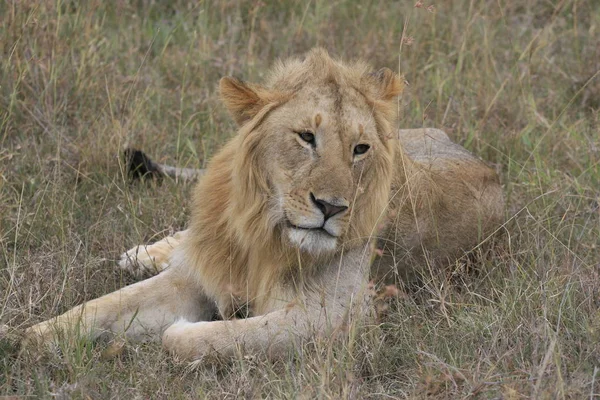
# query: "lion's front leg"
140,310
327,306
272,334
151,259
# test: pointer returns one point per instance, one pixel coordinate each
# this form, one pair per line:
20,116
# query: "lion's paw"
140,263
185,340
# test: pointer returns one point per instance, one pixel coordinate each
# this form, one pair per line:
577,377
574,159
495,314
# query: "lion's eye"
308,137
361,149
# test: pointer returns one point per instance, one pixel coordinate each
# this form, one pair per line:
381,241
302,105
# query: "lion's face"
320,152
318,149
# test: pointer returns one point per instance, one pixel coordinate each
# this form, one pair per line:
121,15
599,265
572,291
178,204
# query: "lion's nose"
328,209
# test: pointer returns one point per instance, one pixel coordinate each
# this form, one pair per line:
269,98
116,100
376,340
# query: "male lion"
284,220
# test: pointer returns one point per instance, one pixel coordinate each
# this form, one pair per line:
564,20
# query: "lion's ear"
387,83
242,100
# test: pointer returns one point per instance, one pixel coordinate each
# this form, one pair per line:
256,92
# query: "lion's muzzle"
315,222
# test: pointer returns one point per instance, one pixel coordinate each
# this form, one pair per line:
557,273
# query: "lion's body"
285,219
443,202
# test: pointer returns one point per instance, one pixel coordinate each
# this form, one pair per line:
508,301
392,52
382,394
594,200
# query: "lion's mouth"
317,229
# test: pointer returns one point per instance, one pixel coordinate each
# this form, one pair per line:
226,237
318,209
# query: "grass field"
516,82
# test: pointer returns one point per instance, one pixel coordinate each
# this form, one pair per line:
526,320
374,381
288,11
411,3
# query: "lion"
285,219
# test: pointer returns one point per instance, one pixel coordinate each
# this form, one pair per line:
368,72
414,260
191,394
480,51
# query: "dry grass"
515,82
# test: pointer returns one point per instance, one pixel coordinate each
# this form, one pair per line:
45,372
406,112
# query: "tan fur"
284,223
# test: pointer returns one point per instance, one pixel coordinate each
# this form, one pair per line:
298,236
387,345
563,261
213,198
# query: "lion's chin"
313,241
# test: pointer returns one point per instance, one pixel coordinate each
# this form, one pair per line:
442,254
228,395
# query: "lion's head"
316,159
